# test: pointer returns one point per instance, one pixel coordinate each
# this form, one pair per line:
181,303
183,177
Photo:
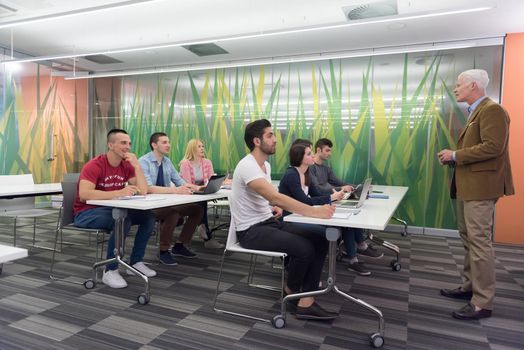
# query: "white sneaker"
113,279
201,230
213,244
141,267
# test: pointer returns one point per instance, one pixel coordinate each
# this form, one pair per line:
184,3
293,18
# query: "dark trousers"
169,218
102,218
306,250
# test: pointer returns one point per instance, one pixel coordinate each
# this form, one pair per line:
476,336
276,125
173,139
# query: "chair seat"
27,213
84,229
236,247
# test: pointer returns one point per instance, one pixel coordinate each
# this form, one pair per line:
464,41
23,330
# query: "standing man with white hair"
482,175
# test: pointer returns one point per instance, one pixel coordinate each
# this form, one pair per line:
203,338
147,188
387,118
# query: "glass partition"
43,122
388,116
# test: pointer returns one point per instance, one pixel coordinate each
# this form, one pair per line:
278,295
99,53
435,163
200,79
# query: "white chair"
232,246
22,207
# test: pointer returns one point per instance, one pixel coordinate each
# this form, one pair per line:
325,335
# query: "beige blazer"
482,166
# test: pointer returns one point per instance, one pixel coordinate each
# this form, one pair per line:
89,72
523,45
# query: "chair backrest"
13,180
232,238
17,203
69,188
71,177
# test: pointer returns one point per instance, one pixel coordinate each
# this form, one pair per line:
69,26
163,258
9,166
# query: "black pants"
306,250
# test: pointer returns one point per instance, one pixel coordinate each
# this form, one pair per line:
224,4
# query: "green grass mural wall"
43,118
393,139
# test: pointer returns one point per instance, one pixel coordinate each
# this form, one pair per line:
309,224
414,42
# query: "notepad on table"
140,197
341,214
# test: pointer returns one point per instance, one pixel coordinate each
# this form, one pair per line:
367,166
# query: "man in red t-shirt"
107,176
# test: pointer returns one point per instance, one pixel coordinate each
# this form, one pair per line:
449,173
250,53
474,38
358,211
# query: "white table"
8,253
374,214
30,190
152,201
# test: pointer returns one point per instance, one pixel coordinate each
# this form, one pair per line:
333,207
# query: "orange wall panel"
509,218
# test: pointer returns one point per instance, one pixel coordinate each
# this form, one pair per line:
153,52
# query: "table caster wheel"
89,284
395,265
278,322
143,299
376,340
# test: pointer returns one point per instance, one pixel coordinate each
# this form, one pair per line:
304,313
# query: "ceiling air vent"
371,10
205,49
102,59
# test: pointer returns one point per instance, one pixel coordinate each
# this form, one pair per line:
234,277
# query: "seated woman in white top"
196,169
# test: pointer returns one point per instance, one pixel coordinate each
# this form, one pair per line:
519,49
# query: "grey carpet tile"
92,339
47,327
37,313
128,329
423,340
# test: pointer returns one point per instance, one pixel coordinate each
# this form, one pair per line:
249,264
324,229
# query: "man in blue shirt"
160,174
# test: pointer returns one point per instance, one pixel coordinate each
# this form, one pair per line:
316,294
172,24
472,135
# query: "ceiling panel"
157,22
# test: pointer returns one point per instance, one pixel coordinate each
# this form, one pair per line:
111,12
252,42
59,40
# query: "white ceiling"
160,22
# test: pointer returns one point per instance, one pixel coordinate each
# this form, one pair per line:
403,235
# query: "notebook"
213,185
341,213
350,203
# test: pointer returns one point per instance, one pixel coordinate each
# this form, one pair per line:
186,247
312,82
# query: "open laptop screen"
213,185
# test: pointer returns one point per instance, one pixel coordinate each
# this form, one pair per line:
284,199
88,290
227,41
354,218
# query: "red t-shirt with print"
104,176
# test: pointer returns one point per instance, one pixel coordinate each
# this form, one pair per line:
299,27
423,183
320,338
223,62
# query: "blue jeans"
102,218
349,235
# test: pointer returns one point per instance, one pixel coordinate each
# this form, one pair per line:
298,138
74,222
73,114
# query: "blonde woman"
196,169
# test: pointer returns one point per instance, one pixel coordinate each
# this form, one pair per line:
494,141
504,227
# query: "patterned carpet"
37,313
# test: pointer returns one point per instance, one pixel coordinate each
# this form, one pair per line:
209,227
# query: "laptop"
213,185
353,204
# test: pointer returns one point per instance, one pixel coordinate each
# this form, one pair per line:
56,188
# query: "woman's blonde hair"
191,149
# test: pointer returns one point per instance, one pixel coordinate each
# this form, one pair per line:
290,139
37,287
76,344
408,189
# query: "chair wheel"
395,265
278,322
143,299
376,340
89,284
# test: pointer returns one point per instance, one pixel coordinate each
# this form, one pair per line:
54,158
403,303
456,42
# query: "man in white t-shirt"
255,207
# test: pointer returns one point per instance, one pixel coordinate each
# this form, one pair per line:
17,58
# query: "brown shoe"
456,293
468,313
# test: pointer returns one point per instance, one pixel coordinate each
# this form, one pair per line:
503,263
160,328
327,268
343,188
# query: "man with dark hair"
323,178
321,143
257,225
108,176
255,130
482,174
160,173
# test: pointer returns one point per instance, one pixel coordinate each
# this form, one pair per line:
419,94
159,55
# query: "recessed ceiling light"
396,26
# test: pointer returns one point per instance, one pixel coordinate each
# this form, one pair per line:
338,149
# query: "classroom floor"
37,313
